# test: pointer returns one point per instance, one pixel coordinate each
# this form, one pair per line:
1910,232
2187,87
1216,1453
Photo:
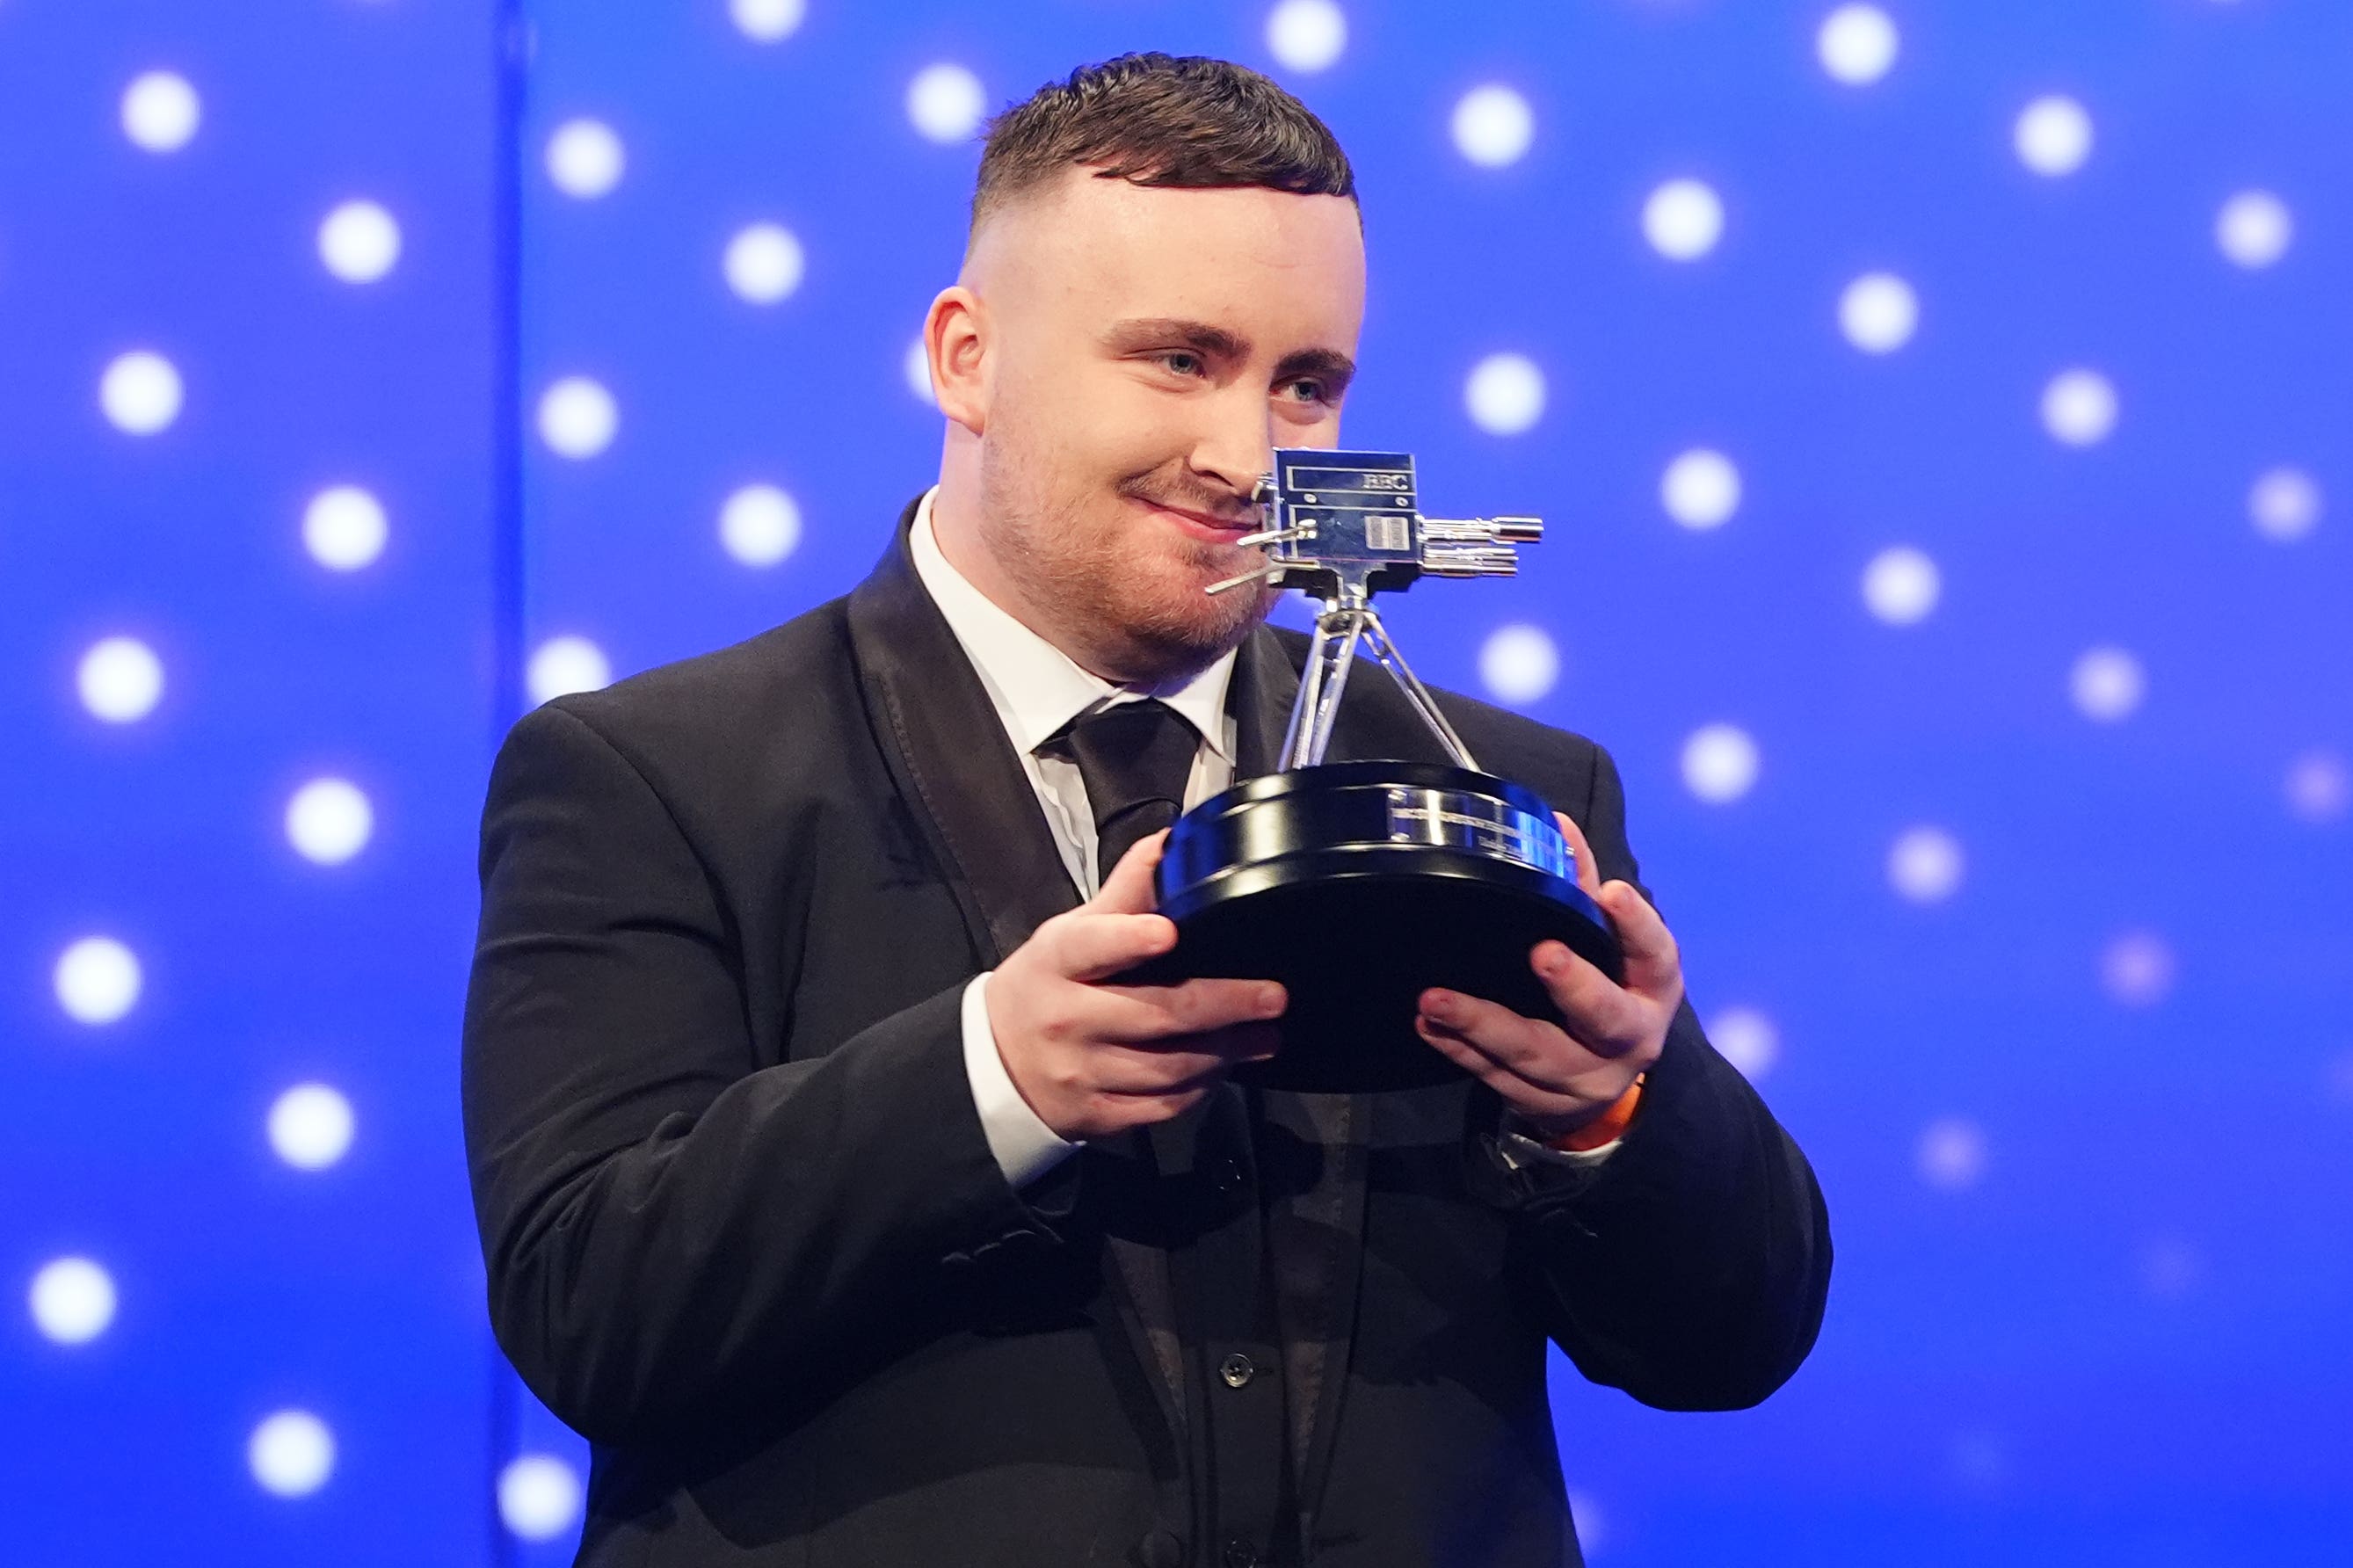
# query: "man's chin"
1185,627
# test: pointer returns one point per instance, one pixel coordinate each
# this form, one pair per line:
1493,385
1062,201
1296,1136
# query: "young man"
824,1183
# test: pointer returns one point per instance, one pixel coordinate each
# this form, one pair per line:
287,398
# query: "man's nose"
1237,447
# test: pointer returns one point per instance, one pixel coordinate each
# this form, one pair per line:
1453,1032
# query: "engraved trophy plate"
1360,884
1475,823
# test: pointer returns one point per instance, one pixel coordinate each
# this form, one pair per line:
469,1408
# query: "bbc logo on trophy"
1360,884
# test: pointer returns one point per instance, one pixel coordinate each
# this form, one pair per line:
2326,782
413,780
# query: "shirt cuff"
1025,1147
1519,1149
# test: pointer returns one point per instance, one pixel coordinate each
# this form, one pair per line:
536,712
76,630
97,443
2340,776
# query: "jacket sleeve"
668,1225
1691,1267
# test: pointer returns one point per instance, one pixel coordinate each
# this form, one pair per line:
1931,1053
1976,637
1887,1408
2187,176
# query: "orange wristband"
1609,1125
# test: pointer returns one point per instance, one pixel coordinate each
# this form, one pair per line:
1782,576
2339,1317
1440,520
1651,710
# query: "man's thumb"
1128,889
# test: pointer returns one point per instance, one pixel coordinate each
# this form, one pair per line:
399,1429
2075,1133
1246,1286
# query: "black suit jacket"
743,1230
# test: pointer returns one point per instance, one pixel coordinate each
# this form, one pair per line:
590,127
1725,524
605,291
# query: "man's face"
1146,349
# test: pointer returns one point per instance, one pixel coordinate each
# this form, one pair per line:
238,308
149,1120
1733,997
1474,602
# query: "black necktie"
1133,758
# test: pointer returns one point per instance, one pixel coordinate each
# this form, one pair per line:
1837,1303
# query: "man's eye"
1184,362
1312,392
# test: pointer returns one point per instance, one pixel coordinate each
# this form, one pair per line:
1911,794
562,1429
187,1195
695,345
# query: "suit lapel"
951,758
1260,697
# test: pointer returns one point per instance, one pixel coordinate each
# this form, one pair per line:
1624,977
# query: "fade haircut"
1186,121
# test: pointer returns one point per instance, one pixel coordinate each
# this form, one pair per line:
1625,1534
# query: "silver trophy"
1359,884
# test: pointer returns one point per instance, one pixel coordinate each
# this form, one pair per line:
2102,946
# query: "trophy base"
1359,886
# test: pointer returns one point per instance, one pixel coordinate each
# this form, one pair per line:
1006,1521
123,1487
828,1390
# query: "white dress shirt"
1037,688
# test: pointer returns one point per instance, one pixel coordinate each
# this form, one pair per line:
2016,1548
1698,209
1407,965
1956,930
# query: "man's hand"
1561,1078
1094,1059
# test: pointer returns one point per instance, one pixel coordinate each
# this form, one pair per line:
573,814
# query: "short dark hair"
1183,121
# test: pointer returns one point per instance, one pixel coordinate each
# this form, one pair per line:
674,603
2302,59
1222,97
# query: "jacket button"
1237,1370
1226,1176
1240,1554
1160,1549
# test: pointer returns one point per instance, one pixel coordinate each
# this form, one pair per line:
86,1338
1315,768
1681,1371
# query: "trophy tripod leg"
1377,641
1321,684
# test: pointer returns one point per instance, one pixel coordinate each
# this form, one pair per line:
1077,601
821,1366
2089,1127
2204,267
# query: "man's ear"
955,341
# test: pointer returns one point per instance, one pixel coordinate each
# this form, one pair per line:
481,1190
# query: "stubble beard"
1127,595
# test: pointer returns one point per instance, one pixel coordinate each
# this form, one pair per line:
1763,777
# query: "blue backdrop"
1941,412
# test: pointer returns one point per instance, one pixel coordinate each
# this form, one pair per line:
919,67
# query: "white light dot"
584,158
1719,762
2053,135
1518,664
160,111
1951,1153
766,21
577,418
1700,489
2319,786
2254,229
539,1496
343,528
1306,35
1878,311
564,664
359,242
292,1453
121,679
139,392
2285,504
97,980
1924,865
2106,684
1747,1038
945,102
311,1126
916,366
764,263
72,1301
1504,394
2137,968
760,525
1682,220
1857,44
2079,407
329,821
1493,125
1901,585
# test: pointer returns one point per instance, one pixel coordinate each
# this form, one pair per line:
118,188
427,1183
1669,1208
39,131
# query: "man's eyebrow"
1158,331
1330,366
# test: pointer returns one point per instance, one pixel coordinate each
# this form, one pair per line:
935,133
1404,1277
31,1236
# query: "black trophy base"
1360,885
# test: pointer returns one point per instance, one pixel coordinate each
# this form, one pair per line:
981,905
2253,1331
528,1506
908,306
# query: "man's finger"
1183,1062
1136,1014
1494,1029
1598,1013
1588,875
1132,1070
1506,1083
1129,890
1653,966
1085,945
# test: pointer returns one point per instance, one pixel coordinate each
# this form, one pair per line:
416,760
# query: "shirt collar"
1037,687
